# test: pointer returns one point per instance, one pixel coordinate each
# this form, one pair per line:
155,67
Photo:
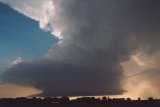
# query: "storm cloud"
97,36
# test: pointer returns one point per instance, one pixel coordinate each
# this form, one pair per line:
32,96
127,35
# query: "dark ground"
79,102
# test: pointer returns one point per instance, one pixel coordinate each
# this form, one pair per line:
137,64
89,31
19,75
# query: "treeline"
83,101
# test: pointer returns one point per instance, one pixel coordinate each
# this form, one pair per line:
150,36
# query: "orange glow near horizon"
137,86
12,91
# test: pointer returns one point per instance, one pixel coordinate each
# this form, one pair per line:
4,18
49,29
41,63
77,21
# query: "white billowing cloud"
43,11
17,61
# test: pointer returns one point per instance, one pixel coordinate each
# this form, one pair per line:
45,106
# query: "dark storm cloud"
64,79
99,35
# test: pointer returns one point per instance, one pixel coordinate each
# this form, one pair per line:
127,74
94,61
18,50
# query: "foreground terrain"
79,102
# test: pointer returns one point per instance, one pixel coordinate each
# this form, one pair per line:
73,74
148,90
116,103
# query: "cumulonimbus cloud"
97,35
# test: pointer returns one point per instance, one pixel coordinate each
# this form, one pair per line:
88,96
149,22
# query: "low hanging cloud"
98,35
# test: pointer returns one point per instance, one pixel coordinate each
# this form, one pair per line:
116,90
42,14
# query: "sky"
80,48
21,37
